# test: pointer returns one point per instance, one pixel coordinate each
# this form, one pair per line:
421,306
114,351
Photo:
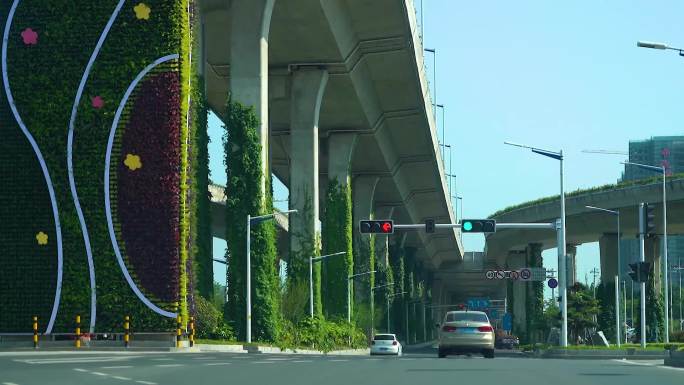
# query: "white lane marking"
75,360
651,364
302,361
162,359
263,362
146,382
338,360
8,383
205,358
99,373
81,370
117,367
216,363
122,378
168,365
278,359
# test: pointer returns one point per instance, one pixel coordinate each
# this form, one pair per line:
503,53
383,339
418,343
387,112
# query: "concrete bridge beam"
609,252
517,260
571,264
308,87
250,26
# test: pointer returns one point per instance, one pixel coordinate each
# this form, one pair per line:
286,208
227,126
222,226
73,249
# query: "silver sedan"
465,332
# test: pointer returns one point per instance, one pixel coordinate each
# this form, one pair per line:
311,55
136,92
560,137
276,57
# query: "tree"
582,310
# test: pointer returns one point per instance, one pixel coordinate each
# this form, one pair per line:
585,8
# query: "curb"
600,354
255,349
676,359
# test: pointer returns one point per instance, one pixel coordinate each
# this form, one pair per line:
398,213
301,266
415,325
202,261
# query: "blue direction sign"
478,303
507,323
553,283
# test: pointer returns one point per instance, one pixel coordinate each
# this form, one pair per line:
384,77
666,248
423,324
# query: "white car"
385,344
465,332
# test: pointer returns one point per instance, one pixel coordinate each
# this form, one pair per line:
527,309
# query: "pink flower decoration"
98,102
29,36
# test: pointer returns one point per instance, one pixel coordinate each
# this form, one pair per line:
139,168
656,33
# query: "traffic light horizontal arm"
500,226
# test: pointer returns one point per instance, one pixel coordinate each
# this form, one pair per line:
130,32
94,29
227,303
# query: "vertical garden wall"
96,202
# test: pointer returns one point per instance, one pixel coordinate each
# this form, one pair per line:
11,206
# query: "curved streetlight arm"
614,212
551,154
322,257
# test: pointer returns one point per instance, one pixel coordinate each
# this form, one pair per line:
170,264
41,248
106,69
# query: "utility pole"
594,272
642,258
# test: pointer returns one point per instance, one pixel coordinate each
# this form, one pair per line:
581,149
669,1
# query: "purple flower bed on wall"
148,196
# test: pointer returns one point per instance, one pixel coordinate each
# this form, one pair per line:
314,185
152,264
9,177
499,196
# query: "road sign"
507,323
525,274
514,275
490,274
478,303
500,274
553,283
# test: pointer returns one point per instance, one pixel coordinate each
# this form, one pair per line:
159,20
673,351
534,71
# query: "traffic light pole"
642,258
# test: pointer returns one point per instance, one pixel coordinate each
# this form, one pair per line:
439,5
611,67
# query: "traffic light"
649,221
640,271
429,225
385,226
478,226
645,270
635,271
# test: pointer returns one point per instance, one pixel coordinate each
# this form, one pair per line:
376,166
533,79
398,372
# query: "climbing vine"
242,158
336,234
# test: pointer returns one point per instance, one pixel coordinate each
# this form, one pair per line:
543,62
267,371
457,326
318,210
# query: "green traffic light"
467,226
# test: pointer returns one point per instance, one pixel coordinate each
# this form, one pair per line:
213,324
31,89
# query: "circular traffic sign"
467,225
553,283
525,274
500,274
490,274
515,275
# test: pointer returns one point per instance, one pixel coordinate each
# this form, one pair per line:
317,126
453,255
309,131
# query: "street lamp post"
434,80
617,277
311,261
250,221
662,170
661,46
562,268
388,307
349,279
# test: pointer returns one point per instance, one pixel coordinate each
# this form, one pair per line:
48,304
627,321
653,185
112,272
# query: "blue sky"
558,75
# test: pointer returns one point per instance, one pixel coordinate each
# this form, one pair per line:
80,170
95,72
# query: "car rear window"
474,317
384,337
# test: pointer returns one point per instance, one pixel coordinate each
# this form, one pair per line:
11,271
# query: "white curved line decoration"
41,160
108,207
70,164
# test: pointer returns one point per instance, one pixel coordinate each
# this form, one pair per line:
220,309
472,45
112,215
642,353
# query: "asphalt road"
232,368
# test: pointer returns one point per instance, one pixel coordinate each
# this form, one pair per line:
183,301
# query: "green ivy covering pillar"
244,197
337,236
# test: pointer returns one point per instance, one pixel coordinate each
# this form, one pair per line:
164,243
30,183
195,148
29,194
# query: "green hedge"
244,197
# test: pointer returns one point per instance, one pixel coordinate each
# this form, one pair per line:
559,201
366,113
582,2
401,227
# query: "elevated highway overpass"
342,95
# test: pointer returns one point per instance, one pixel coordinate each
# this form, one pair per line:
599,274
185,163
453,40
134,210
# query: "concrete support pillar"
363,191
571,264
516,260
652,250
337,223
608,248
308,87
250,26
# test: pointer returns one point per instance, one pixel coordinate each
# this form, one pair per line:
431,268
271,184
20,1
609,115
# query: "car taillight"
485,329
448,328
394,343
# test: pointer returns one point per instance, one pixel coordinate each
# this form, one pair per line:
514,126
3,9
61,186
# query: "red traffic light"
377,227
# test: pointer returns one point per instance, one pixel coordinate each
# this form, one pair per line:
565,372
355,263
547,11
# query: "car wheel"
441,353
489,353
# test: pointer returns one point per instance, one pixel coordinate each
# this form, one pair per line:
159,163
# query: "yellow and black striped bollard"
78,331
192,331
127,332
179,325
35,332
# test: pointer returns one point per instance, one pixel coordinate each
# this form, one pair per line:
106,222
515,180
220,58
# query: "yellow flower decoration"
42,238
133,162
142,11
